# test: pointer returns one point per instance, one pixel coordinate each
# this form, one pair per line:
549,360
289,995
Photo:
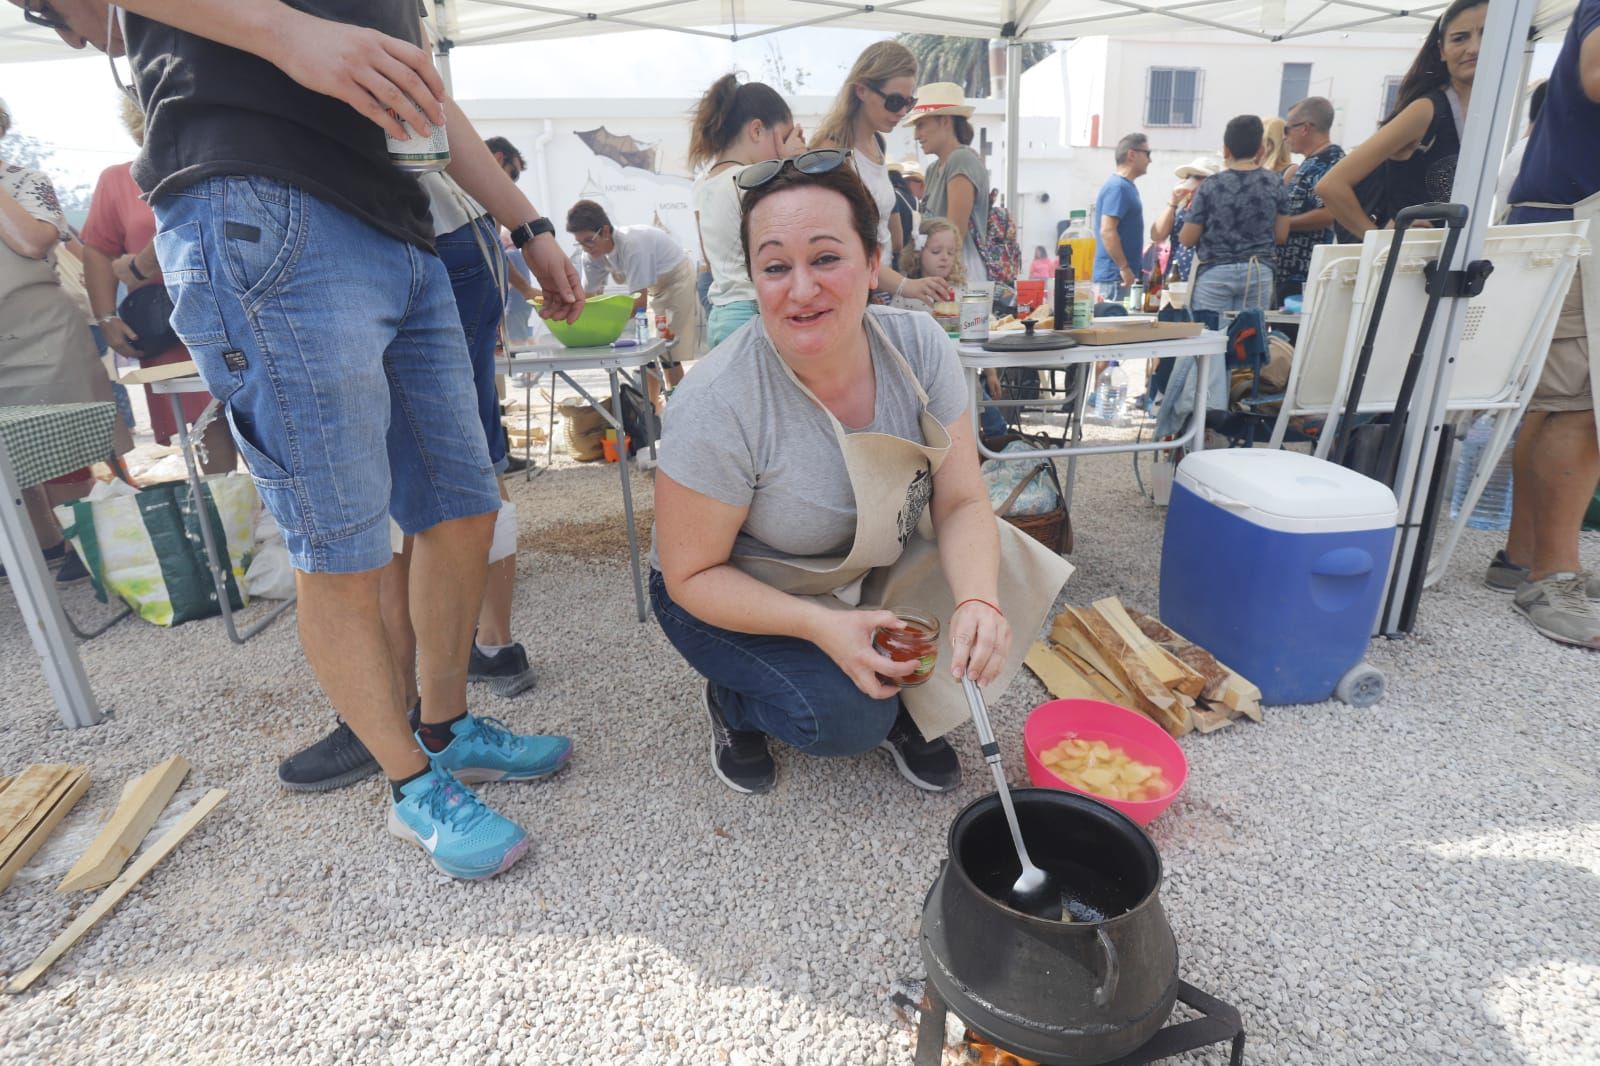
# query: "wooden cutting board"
1135,332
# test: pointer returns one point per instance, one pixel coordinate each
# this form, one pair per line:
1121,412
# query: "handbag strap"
1022,483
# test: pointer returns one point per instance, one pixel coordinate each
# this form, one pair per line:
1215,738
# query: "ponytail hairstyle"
911,254
881,62
725,110
1428,71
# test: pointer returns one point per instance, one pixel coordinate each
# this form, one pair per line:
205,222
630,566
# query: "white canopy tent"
1513,26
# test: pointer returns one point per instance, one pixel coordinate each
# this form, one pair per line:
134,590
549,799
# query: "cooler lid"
1287,490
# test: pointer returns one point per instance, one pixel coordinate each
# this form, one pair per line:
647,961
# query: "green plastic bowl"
602,321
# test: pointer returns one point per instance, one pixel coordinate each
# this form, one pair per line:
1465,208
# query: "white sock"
490,650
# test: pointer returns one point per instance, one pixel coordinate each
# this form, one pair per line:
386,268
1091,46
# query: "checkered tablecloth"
48,440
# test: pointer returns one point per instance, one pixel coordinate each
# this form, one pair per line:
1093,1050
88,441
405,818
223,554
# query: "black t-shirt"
211,110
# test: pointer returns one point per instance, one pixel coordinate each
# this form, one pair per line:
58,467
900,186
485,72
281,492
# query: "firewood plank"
141,805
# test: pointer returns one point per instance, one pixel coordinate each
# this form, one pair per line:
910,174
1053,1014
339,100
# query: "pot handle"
1108,985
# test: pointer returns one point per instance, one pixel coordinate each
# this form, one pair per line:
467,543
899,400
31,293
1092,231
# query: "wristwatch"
529,230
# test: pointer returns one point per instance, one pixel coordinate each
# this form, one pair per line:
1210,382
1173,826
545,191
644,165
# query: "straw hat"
938,98
909,169
1201,166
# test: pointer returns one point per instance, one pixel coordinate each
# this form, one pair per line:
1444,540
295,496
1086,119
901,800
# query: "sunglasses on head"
43,15
816,161
893,101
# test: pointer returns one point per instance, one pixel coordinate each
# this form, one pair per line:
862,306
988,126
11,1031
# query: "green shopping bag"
147,548
1591,518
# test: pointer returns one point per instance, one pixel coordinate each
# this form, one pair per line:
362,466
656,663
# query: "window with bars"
1172,97
1294,87
1391,96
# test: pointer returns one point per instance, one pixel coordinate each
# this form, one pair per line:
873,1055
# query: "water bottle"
1494,506
1111,394
641,326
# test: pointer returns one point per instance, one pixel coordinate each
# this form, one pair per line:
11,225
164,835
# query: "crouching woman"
817,468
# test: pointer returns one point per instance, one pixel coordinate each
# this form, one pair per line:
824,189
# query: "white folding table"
39,442
551,358
974,360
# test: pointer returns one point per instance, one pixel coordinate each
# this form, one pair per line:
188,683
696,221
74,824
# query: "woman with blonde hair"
875,96
1275,155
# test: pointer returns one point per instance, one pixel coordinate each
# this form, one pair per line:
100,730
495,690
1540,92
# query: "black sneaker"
506,671
738,756
515,464
337,760
72,571
52,557
931,765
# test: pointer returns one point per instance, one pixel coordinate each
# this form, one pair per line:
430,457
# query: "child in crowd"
936,253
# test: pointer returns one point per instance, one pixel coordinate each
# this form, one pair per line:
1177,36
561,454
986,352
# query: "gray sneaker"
1559,607
1506,576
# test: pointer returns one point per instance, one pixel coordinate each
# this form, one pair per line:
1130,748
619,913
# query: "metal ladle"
1034,892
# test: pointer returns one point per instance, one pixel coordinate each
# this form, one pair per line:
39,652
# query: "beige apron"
674,296
1587,209
46,351
894,561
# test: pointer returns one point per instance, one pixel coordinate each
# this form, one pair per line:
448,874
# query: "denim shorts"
339,357
480,294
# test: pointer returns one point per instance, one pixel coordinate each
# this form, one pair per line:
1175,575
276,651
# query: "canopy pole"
1477,168
1013,130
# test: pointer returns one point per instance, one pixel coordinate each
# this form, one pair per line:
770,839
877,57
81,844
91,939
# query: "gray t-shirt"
1239,209
740,431
965,163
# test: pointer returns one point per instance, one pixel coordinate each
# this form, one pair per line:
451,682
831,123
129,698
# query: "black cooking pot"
1074,993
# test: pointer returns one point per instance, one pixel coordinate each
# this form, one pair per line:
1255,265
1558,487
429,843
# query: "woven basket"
585,430
1053,529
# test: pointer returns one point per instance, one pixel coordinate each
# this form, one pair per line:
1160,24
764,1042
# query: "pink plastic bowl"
1050,723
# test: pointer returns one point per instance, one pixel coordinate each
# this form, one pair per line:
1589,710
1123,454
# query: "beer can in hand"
419,153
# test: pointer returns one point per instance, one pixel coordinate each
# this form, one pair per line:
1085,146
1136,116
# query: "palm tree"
963,60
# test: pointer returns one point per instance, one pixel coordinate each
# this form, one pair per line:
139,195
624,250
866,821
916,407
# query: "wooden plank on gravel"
26,793
143,800
30,836
118,889
1169,670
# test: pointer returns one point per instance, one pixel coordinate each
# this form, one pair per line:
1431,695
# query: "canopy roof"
468,22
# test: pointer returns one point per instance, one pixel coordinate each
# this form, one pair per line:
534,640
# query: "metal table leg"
215,561
627,494
41,611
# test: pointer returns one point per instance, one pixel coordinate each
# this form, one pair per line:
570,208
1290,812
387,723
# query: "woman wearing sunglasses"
874,98
804,467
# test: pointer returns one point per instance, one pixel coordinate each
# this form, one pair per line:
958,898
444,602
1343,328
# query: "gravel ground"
1414,883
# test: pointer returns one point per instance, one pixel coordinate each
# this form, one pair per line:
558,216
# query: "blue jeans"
784,687
725,319
480,301
338,354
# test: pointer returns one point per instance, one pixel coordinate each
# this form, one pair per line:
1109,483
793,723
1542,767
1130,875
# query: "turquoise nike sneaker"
462,836
485,750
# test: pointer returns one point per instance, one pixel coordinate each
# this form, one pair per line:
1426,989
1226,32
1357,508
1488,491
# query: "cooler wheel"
1362,686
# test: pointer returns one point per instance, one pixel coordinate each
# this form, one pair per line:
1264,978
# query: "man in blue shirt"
1556,464
1119,221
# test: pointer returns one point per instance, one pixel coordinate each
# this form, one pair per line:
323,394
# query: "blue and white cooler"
1275,562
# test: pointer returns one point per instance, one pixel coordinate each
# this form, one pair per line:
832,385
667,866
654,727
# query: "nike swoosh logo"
431,841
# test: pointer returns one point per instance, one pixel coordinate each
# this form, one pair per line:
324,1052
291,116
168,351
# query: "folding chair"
1501,353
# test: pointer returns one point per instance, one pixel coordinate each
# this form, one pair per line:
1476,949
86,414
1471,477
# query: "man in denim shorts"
304,282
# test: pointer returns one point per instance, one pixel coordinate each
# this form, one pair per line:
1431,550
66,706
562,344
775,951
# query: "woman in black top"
1412,157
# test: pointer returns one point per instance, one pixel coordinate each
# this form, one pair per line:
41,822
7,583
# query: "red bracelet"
986,603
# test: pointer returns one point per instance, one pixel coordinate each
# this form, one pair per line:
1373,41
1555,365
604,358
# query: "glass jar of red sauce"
917,642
